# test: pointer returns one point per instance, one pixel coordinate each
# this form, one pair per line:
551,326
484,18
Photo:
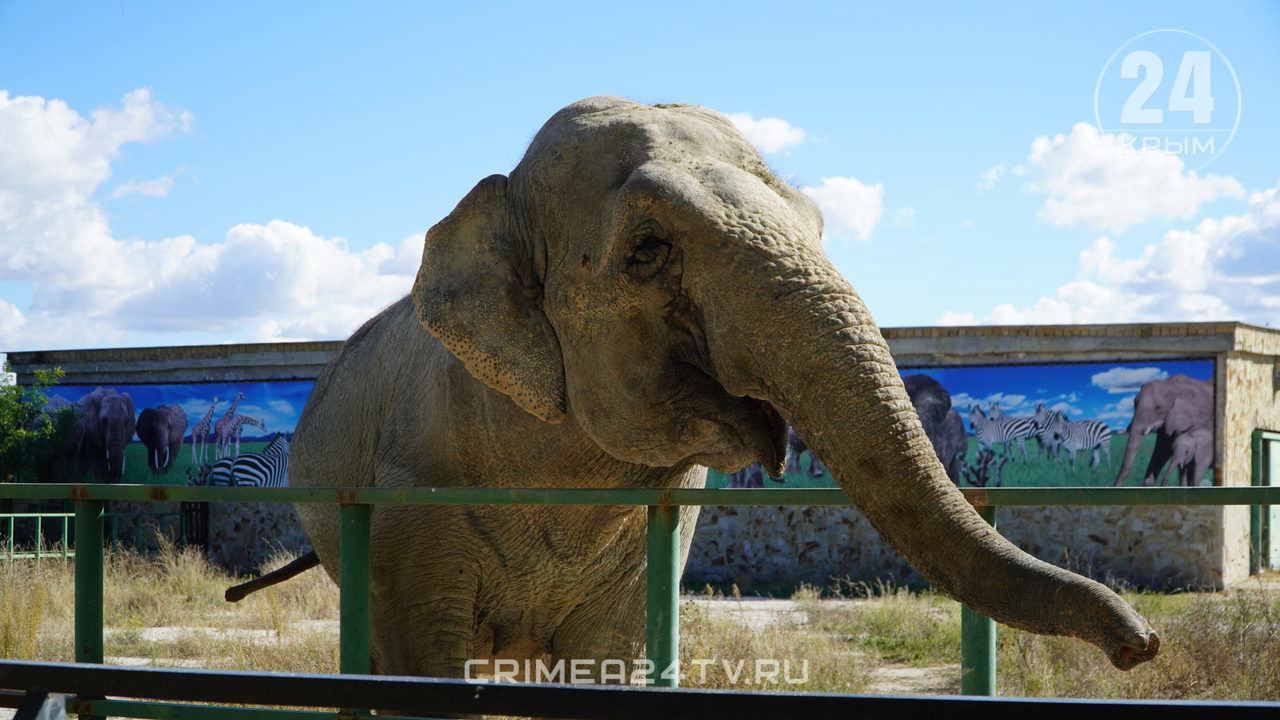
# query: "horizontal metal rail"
977,662
38,552
432,696
982,497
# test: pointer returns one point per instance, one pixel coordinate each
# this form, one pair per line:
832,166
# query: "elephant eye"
649,255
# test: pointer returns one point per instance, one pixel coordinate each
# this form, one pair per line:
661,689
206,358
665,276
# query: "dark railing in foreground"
418,697
978,633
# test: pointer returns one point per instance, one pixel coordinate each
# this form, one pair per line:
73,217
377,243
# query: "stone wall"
1161,548
242,536
1158,547
1252,401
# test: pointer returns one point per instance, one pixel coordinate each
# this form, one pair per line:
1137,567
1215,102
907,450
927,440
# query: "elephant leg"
1159,457
603,635
422,620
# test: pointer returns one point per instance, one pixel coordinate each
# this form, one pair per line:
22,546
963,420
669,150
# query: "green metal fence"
37,550
64,549
662,631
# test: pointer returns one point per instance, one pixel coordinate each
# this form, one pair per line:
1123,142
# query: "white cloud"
949,318
769,134
1120,380
1122,409
990,177
261,282
904,217
1226,268
158,187
1099,181
849,204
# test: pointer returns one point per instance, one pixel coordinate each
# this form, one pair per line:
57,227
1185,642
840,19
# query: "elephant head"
644,275
161,429
105,428
942,424
1171,407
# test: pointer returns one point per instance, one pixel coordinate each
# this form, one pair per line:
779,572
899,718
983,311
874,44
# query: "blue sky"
181,173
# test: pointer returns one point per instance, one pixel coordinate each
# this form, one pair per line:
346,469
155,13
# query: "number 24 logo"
1199,101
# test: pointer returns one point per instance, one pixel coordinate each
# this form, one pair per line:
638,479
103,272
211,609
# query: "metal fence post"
978,641
662,609
88,581
353,635
1255,511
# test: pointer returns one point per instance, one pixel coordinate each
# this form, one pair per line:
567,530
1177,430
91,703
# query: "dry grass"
808,660
167,609
1215,646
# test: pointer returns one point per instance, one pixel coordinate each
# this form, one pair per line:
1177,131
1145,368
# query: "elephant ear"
477,291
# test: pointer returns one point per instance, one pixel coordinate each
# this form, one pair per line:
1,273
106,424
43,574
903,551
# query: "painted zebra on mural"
1048,441
269,468
1079,435
1007,430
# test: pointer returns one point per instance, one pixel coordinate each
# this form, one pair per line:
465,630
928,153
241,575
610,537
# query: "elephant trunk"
847,400
1130,450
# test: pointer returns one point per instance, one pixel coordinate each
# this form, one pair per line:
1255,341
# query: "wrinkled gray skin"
1170,407
1192,454
105,427
161,429
639,299
942,424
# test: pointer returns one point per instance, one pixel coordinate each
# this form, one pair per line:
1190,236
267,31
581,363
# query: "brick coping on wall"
911,347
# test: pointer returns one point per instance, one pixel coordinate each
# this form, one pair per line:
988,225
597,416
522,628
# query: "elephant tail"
236,593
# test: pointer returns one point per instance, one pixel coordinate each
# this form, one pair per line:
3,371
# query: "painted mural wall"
1082,424
209,433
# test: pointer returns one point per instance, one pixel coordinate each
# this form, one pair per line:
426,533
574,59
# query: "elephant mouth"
771,448
753,428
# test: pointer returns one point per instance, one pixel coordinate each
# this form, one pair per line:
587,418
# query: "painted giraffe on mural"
234,429
221,429
200,434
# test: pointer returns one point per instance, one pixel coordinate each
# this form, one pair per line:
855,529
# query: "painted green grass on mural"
1038,470
137,472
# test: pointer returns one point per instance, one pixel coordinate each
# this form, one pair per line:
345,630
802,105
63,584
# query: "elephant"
105,427
161,429
609,315
750,477
795,446
1172,407
1192,454
942,424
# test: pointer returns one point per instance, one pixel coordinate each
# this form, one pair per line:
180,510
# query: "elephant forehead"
608,143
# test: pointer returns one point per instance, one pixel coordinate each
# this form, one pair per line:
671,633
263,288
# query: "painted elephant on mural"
1170,407
942,424
161,429
1191,454
104,428
640,299
795,446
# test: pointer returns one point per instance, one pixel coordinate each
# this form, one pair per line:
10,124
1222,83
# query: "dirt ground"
896,679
